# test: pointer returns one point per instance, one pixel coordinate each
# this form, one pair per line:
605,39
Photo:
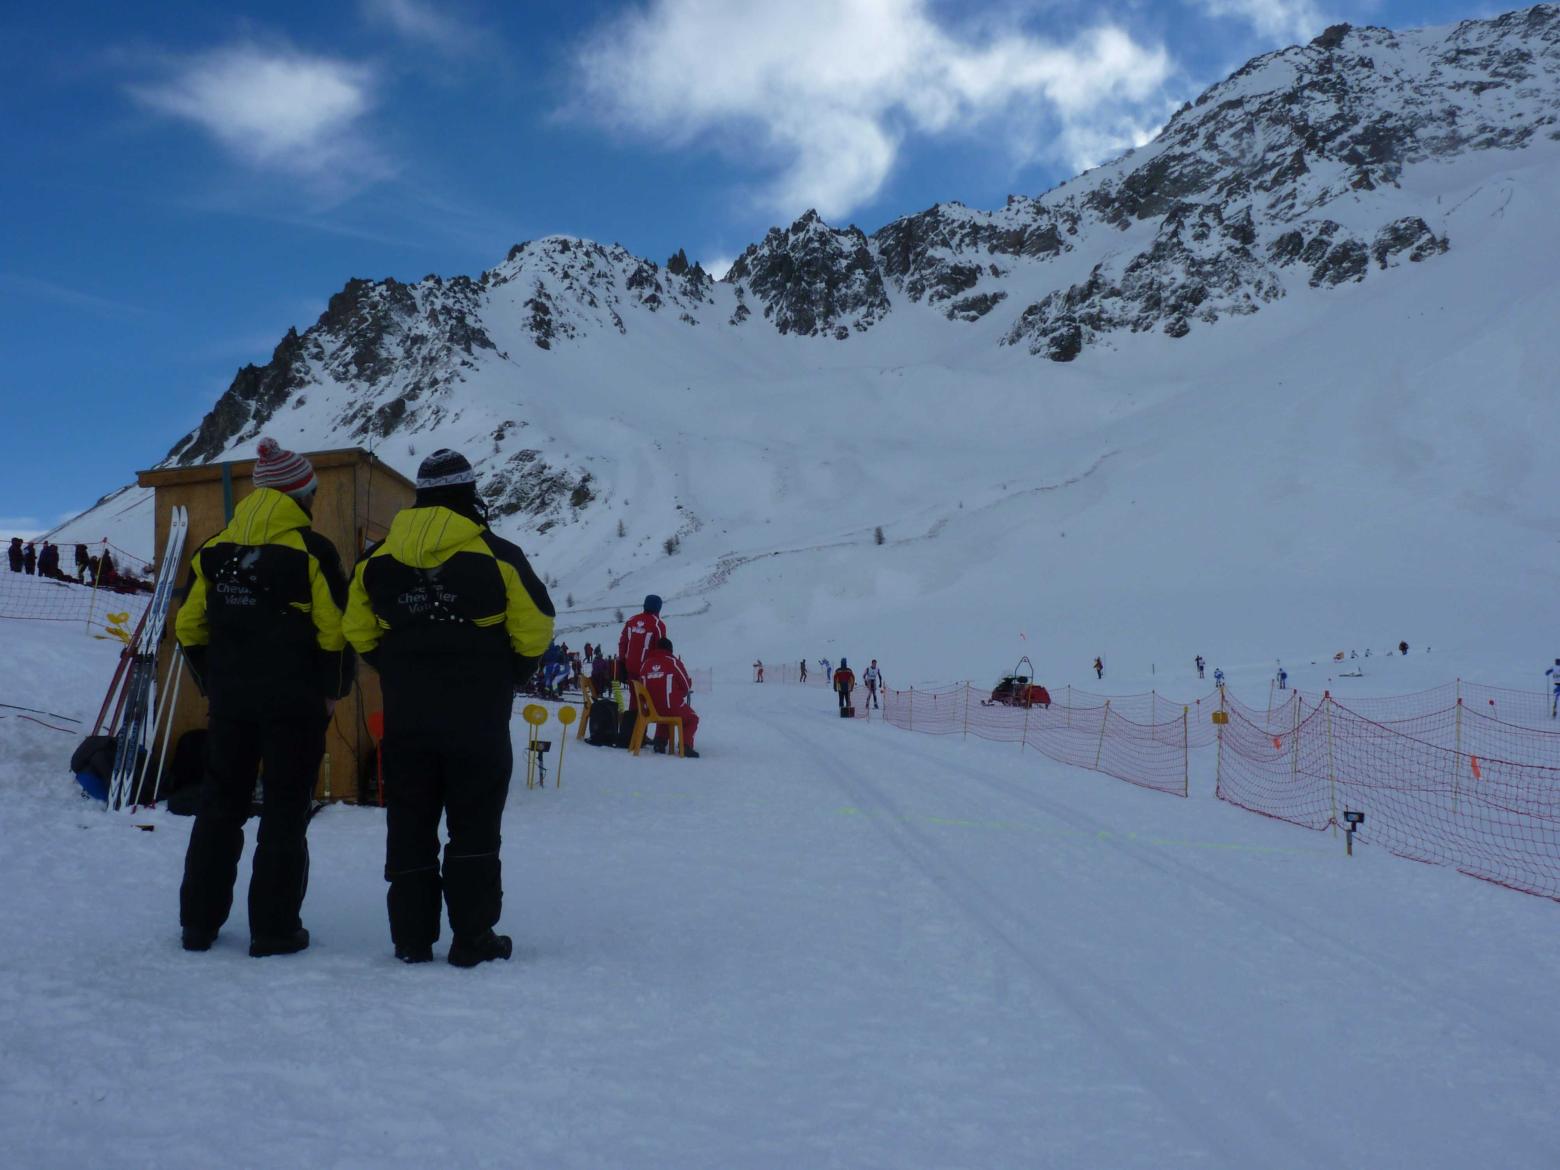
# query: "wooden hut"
357,497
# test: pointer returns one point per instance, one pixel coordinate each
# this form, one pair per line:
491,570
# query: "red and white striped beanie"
283,470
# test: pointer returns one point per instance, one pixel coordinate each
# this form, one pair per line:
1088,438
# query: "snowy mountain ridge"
1263,181
1277,309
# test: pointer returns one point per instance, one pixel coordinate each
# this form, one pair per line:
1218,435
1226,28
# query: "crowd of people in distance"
99,570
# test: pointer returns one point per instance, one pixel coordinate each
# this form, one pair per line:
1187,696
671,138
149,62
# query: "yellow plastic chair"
647,716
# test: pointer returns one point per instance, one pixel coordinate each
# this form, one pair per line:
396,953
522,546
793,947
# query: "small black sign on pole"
1351,821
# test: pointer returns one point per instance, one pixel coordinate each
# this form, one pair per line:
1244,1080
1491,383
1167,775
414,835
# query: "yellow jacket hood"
261,517
426,537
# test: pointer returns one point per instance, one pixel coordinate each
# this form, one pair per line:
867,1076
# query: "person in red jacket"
668,684
844,683
639,637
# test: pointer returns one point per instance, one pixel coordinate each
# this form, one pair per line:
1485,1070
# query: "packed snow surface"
825,943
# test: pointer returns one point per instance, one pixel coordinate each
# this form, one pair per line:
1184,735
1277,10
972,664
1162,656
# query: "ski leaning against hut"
261,630
453,618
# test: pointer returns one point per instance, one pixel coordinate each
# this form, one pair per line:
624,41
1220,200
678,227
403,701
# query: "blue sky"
183,181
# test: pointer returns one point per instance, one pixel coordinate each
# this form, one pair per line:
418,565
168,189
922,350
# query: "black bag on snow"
185,771
602,726
626,721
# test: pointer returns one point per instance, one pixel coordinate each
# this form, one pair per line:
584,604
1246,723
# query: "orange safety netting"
1452,787
1150,754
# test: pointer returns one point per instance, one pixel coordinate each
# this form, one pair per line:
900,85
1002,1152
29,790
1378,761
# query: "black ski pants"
844,693
463,774
289,749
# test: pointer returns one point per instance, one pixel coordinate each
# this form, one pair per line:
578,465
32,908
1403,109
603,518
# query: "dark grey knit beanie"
444,468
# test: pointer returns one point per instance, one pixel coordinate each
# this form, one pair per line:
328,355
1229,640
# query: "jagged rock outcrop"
812,279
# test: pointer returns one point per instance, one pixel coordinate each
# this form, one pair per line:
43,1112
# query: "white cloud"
1282,21
828,90
421,22
276,109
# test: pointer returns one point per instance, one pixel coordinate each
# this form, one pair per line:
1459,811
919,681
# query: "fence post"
966,710
1025,737
1186,764
1294,745
1332,774
910,711
1100,750
1457,759
92,600
1218,757
1270,703
1069,704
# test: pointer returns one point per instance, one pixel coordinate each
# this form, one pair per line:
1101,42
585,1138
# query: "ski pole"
162,709
173,705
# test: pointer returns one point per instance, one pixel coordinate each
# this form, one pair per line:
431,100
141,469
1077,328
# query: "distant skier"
83,560
758,670
1553,674
1199,661
1283,679
873,678
29,560
1099,667
804,670
844,683
49,561
1218,678
14,554
828,671
1403,648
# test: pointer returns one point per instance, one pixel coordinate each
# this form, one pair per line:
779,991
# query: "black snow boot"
287,944
198,940
422,954
470,952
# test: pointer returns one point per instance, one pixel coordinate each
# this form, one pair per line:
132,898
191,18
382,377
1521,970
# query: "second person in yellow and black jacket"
453,618
260,626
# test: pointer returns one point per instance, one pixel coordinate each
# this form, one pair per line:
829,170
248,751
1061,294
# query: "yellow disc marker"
535,715
566,716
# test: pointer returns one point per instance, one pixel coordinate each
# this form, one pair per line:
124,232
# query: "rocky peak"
812,279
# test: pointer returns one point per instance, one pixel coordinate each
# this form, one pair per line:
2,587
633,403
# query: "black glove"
524,667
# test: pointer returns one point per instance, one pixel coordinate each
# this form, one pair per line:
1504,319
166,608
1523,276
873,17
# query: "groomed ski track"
825,943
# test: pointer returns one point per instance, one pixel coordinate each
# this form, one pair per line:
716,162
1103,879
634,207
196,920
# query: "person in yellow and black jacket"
454,619
260,627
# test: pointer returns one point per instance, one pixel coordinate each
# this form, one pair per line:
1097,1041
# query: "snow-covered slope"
1310,390
825,943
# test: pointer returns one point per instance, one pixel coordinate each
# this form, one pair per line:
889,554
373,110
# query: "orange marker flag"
1473,762
1278,744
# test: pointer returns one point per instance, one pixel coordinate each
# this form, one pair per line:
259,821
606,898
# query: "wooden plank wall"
356,500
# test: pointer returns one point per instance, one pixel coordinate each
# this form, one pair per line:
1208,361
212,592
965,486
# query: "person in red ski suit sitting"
639,637
668,684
